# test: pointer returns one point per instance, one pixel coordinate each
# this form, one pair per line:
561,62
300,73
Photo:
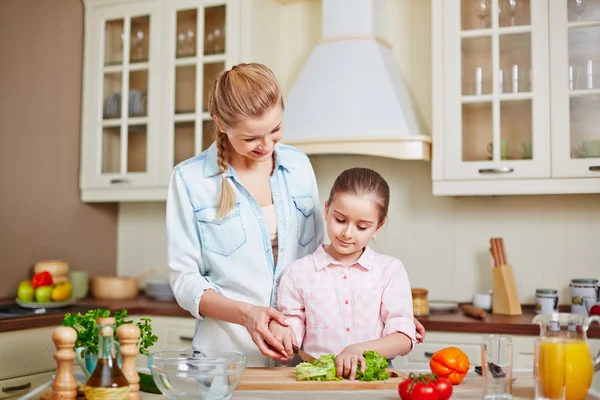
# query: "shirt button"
347,329
345,276
346,301
268,250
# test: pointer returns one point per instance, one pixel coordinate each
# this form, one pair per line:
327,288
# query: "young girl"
345,298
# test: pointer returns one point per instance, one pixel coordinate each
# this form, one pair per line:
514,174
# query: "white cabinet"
505,121
149,66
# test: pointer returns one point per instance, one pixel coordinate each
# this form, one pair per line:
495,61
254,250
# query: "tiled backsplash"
443,242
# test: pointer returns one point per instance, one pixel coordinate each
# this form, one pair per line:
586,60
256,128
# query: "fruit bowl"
49,304
197,374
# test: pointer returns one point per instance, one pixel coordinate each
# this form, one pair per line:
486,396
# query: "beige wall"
41,216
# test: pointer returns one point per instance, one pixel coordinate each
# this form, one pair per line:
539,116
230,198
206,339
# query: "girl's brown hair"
363,182
245,91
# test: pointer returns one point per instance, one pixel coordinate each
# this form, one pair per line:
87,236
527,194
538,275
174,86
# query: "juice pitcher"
579,364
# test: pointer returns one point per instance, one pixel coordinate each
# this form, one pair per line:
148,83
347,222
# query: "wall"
442,241
41,216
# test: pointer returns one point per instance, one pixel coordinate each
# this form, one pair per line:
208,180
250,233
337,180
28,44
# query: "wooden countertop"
454,322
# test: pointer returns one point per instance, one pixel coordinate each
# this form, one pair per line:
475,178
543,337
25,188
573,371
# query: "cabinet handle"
186,338
9,389
119,180
428,354
500,170
595,168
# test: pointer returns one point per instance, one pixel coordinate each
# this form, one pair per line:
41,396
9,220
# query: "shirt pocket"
221,236
322,309
305,214
367,307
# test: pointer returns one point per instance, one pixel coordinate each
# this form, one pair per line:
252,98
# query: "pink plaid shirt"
330,306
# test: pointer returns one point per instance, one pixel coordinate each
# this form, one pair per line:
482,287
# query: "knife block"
506,298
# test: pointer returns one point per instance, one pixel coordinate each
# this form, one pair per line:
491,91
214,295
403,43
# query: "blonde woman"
237,215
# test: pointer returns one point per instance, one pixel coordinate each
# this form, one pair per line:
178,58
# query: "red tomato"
423,391
425,387
443,387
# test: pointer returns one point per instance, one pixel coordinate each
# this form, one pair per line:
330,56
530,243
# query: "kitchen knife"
304,356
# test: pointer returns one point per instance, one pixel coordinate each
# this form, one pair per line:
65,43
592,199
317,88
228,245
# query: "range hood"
350,97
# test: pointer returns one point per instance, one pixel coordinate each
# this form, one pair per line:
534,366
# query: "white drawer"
26,352
21,386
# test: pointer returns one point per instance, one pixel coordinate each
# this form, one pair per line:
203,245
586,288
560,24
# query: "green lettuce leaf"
323,369
376,369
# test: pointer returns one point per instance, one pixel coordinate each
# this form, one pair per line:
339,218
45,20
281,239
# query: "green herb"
323,369
87,331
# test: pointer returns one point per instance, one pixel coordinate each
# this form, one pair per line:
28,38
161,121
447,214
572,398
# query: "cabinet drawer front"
18,347
21,386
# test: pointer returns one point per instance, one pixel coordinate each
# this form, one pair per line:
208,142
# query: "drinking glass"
497,367
549,368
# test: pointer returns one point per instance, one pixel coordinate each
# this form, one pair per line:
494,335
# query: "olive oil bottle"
107,382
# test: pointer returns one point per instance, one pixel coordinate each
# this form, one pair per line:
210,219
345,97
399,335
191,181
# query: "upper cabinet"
515,89
148,70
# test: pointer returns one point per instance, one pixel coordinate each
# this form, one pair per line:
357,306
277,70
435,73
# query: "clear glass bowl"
197,374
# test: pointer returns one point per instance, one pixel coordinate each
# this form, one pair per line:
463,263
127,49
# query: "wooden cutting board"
284,378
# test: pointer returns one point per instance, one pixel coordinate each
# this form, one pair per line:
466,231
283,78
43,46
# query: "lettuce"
323,369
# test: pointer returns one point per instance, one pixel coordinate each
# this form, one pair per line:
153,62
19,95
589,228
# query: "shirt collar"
211,167
322,259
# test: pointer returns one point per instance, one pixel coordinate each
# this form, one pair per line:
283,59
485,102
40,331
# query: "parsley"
87,331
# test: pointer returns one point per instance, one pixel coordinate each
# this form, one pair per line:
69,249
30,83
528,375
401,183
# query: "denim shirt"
233,255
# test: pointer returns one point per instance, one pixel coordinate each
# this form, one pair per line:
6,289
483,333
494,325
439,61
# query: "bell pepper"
41,279
451,363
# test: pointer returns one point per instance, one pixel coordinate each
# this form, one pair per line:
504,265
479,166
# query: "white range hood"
350,97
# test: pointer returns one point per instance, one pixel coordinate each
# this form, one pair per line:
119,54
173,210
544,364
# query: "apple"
43,294
595,310
25,291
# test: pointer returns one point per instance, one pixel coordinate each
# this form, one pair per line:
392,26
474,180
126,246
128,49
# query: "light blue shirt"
234,255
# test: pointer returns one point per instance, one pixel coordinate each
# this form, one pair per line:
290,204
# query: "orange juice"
569,365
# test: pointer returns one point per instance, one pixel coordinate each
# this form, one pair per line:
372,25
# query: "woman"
238,214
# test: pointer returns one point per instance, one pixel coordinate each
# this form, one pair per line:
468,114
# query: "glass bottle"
420,302
107,381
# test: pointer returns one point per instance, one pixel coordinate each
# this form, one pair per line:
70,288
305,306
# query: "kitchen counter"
453,322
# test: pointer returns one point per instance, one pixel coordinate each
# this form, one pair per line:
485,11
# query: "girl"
345,298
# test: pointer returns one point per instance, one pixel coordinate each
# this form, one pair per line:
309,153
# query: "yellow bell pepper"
62,291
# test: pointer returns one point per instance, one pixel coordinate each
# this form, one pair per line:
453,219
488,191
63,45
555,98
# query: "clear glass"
197,374
583,10
516,130
111,105
476,63
584,58
497,367
114,33
187,22
549,368
138,93
514,13
140,39
477,131
584,123
515,63
208,134
137,146
214,30
111,150
185,89
184,141
211,72
475,14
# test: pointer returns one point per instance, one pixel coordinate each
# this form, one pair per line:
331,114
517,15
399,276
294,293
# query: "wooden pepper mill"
64,386
128,335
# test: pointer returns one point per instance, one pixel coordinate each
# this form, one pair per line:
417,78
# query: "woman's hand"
420,331
284,334
346,362
256,323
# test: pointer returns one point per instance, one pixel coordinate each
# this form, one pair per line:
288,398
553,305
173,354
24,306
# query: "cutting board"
284,378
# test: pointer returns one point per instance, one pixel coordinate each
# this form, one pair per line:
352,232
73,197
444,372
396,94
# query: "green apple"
43,293
25,292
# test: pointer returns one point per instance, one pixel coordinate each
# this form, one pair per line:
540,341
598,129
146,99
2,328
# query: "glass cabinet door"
128,38
575,45
199,49
496,89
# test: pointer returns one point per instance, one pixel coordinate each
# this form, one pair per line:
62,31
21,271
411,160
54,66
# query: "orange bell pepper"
451,363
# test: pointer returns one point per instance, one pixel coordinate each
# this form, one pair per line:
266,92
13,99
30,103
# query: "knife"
304,356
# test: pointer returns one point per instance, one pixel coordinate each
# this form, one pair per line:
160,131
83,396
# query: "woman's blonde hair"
245,91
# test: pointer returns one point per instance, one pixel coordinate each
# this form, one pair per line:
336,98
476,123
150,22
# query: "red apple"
595,310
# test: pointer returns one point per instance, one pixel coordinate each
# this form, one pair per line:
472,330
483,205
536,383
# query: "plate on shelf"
443,306
49,304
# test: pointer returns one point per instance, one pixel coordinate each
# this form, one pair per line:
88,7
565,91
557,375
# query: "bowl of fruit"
48,287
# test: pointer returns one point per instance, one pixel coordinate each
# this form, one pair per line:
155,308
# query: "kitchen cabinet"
504,121
162,56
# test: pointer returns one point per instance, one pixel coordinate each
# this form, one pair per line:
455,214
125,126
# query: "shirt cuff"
402,325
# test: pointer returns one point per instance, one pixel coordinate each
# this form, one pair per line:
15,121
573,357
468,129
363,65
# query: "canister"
582,290
546,301
420,302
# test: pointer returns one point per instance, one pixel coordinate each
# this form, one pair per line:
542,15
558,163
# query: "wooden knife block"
506,298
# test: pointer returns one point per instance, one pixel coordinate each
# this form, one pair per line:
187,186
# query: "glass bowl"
197,373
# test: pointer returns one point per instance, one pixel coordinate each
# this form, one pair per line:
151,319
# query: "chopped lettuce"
323,369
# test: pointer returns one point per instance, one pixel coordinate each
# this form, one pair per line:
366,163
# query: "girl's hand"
285,334
420,331
256,323
346,362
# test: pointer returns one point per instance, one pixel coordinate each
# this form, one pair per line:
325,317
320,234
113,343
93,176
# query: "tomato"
423,391
425,387
451,363
444,388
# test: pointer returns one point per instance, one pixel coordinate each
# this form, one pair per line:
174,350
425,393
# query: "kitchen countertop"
453,322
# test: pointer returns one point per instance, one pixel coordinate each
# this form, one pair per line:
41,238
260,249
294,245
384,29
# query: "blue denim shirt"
234,255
